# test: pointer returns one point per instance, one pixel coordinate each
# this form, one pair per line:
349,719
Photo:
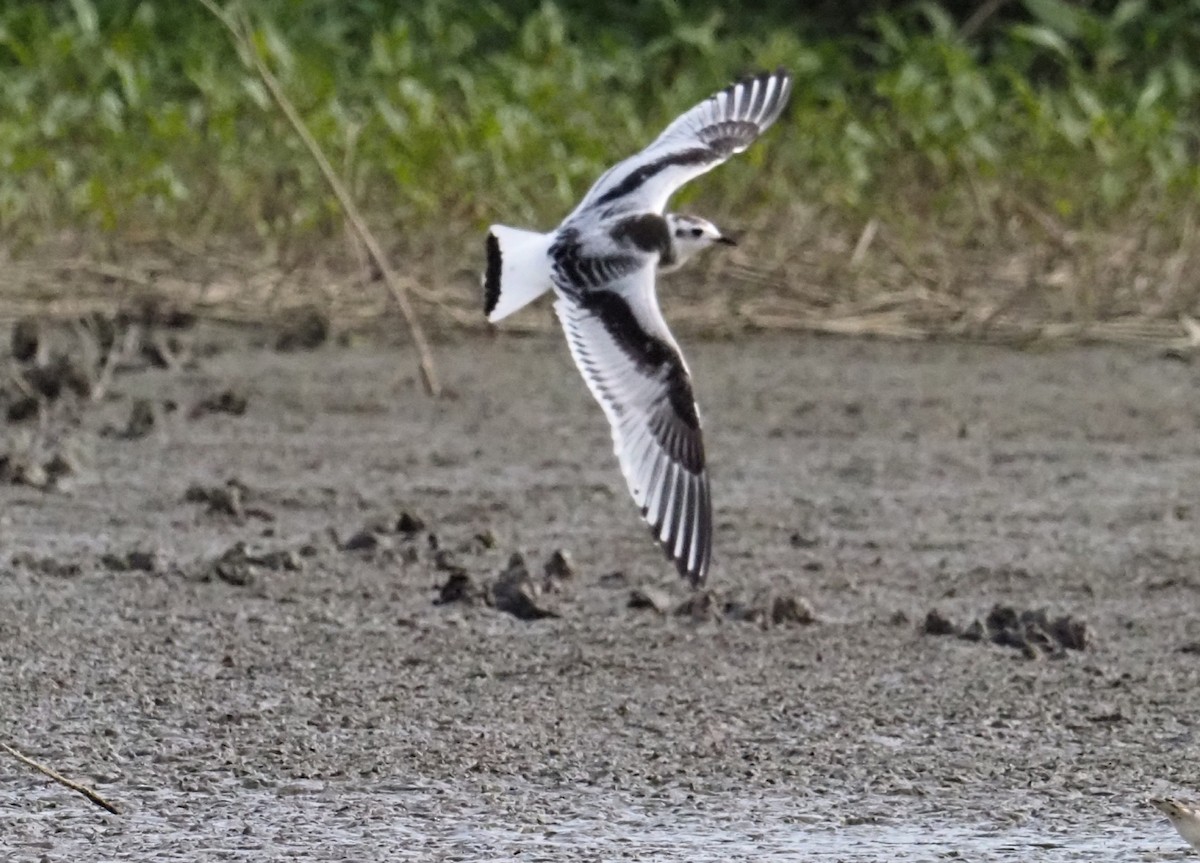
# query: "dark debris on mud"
766,609
60,370
49,566
518,591
134,560
230,498
65,368
30,462
1032,631
143,419
227,401
514,590
56,362
303,329
387,533
242,565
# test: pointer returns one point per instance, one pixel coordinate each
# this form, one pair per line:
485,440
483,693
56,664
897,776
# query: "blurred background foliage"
137,118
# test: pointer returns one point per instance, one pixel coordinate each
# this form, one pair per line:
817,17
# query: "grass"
1056,145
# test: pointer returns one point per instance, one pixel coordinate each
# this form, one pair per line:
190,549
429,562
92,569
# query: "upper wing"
696,142
634,369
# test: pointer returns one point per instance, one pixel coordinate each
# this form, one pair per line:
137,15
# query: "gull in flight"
601,264
1185,818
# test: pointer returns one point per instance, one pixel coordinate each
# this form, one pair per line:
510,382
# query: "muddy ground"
304,694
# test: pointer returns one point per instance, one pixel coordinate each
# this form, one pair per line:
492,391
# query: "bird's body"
1185,818
601,263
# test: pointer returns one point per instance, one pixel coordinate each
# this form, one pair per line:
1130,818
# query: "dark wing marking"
576,270
701,158
634,370
491,280
700,139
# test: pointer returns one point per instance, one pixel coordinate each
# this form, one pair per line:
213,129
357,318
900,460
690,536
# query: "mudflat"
293,626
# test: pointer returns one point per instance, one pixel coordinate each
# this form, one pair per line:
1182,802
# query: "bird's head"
690,234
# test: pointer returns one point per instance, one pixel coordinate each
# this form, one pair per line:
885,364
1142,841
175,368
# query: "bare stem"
61,780
241,31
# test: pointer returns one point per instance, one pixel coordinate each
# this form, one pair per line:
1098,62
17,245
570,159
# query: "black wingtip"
694,578
491,281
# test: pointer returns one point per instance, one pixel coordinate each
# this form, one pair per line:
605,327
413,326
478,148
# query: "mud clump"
135,560
46,566
53,360
444,560
514,591
42,375
559,566
649,598
485,539
703,605
408,524
304,329
19,469
380,534
26,339
225,402
60,375
767,609
459,587
937,623
240,566
361,540
142,420
30,465
63,462
228,499
21,408
786,610
1033,631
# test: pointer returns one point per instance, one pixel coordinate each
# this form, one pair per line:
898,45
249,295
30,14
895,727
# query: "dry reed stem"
242,33
61,780
108,368
864,242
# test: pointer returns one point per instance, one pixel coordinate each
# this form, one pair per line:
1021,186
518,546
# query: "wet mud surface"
280,603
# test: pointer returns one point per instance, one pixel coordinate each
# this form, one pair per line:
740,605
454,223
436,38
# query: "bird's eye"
696,232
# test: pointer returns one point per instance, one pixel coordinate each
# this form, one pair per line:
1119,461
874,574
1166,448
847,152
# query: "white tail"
518,270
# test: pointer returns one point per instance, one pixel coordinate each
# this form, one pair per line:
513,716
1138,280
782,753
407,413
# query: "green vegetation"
138,119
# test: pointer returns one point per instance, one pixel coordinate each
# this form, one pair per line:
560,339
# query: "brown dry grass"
1022,278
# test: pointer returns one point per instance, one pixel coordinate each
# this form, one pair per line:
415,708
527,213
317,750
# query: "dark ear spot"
679,232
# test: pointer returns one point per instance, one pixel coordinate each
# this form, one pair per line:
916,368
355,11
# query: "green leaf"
86,17
1057,15
1155,87
1043,37
1126,12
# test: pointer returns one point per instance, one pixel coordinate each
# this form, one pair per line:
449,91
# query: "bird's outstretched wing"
633,367
696,142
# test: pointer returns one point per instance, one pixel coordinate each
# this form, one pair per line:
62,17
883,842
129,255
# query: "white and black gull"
601,264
